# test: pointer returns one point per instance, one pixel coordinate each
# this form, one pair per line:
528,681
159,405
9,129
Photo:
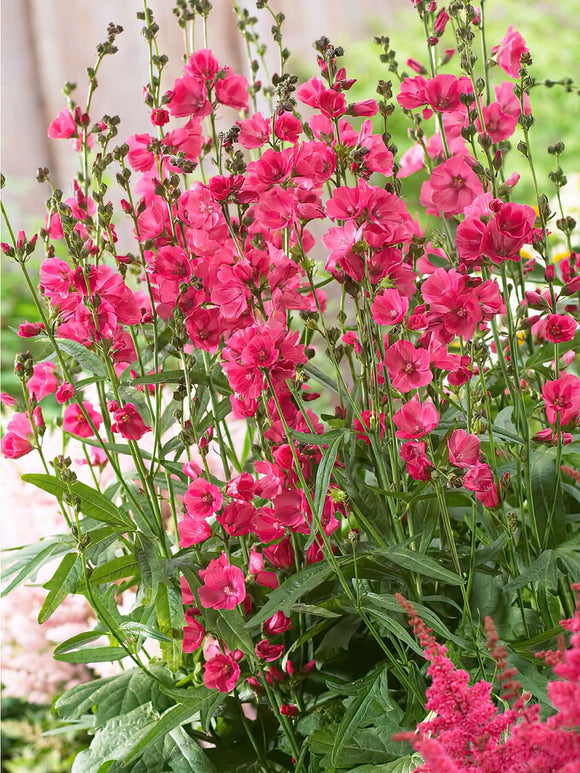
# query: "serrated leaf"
93,504
115,569
232,628
406,764
356,712
548,502
542,570
420,563
78,641
63,582
116,739
323,475
290,591
165,377
25,561
113,695
92,655
170,720
81,355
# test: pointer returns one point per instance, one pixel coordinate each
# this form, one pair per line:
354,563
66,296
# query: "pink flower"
63,126
221,673
509,52
562,398
389,307
75,422
408,367
416,419
267,651
413,93
454,185
202,498
224,586
192,531
129,423
139,158
443,92
277,624
479,479
414,455
254,131
232,90
64,393
557,328
463,448
18,438
43,381
193,633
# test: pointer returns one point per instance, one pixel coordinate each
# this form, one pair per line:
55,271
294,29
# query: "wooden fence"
46,43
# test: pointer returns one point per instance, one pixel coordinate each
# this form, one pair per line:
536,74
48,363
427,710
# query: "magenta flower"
224,586
562,398
221,673
43,381
129,423
416,419
454,185
408,367
389,307
509,52
18,438
463,448
75,422
558,328
202,498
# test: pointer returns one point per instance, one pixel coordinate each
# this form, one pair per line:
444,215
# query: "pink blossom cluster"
468,733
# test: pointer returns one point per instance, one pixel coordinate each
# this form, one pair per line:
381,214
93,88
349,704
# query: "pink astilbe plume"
467,733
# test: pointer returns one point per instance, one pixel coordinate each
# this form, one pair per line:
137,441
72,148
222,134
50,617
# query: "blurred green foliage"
31,742
551,32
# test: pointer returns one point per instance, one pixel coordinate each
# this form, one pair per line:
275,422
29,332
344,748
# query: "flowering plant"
296,400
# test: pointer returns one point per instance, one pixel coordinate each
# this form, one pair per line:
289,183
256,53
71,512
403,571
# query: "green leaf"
165,377
113,695
92,503
116,739
171,719
321,377
116,569
548,501
420,563
132,628
389,602
406,764
324,474
63,582
92,655
290,591
320,440
393,626
171,621
78,641
25,561
542,570
232,628
313,609
357,711
80,354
